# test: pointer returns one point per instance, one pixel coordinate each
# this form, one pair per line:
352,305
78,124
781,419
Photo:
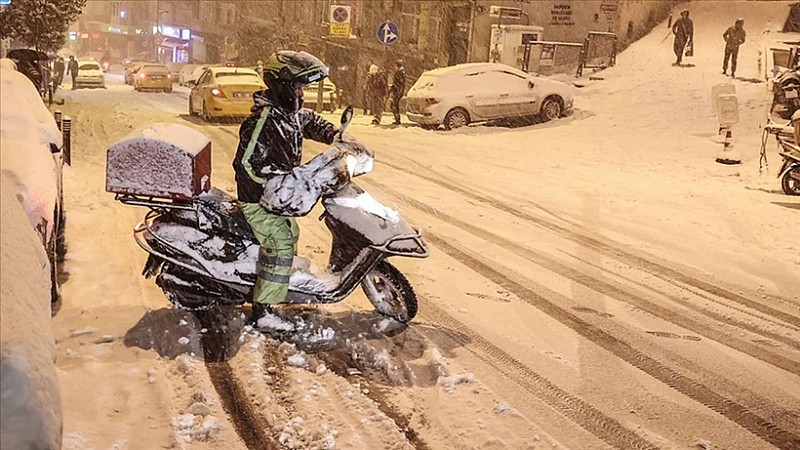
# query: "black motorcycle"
790,170
203,253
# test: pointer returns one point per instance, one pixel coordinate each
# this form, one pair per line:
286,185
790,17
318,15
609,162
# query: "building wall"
572,20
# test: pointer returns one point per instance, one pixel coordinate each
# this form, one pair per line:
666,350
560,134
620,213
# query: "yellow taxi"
224,92
153,76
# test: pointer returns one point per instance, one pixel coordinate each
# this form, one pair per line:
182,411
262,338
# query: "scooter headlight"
351,162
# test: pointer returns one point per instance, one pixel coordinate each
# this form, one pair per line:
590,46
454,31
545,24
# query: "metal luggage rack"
155,203
781,132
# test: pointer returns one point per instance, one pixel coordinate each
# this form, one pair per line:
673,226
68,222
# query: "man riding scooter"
270,147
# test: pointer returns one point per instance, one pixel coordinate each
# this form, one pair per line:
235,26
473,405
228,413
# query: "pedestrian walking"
734,37
398,89
683,29
365,92
58,71
376,90
72,70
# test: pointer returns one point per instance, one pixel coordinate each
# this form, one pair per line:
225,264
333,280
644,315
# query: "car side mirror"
530,84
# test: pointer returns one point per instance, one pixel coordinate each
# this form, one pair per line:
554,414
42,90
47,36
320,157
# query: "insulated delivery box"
163,160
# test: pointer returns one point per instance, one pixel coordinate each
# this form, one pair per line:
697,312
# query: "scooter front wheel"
789,183
390,292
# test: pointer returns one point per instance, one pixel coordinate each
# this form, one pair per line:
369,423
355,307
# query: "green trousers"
277,236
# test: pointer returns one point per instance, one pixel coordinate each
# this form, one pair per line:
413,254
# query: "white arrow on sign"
388,35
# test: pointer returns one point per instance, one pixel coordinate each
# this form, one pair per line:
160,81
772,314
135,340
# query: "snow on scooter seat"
161,160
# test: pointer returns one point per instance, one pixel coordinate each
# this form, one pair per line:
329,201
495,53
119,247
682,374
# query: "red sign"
340,15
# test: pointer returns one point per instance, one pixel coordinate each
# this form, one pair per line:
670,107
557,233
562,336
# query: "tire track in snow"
253,430
608,288
607,248
585,415
729,408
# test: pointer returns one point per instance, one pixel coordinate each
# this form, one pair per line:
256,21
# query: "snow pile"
160,160
449,383
26,135
30,416
194,427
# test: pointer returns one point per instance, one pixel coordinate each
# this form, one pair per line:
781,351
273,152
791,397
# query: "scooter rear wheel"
390,292
182,291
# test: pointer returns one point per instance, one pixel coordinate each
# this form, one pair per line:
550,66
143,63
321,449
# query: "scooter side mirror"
347,116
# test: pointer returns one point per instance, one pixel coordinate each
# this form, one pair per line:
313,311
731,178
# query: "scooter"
204,254
790,170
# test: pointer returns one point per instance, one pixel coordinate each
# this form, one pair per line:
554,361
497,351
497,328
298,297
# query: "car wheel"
456,118
551,109
168,90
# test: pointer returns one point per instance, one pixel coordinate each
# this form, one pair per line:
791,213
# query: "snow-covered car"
224,92
90,74
459,95
185,74
329,96
175,70
32,156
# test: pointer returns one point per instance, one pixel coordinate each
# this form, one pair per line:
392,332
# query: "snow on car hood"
25,137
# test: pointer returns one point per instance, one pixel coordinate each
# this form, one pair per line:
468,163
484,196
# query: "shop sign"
561,14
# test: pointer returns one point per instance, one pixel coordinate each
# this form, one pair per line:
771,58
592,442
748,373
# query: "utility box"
509,41
162,160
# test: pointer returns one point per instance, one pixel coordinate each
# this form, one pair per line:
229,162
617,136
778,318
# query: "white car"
459,95
90,74
329,96
32,157
185,73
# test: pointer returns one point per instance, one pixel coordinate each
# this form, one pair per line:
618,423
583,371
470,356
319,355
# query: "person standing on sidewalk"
734,37
683,29
72,70
398,88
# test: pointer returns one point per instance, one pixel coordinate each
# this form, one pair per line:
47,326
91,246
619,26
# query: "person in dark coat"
398,89
270,150
72,70
683,29
376,90
734,37
58,71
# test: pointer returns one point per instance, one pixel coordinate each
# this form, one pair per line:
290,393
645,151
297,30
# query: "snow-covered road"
595,282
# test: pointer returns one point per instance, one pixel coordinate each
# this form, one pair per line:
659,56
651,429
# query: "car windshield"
425,83
233,78
154,68
89,66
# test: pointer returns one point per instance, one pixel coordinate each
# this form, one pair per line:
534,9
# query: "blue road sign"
5,2
388,33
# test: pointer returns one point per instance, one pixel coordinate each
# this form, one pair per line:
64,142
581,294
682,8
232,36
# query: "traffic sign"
5,2
388,33
339,21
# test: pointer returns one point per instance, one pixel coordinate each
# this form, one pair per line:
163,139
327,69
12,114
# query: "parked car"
175,70
224,92
153,76
33,154
459,95
330,96
185,74
130,70
90,74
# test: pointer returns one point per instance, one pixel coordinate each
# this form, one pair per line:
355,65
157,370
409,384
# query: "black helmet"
284,69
